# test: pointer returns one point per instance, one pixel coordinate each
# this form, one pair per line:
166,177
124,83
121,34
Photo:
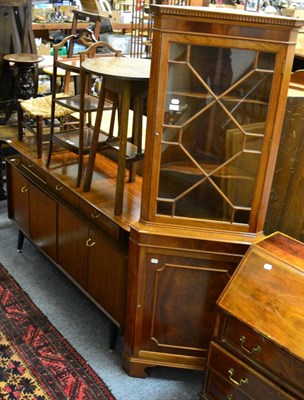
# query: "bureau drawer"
227,375
218,388
265,355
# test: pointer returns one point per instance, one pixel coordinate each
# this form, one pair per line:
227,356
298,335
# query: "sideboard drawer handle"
59,186
255,349
95,214
24,189
229,397
241,382
90,243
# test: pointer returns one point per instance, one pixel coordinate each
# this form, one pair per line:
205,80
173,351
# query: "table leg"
137,133
123,132
94,145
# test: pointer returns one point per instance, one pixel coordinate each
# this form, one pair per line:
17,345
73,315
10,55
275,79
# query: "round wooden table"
128,77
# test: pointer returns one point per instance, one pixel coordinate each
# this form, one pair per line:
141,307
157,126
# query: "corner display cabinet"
217,95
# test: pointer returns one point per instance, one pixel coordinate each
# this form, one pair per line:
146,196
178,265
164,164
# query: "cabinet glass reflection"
215,115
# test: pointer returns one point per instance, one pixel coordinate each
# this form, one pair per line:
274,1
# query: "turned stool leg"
39,127
20,120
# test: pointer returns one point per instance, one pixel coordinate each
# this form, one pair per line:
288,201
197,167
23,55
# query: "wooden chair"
297,80
77,139
35,114
94,20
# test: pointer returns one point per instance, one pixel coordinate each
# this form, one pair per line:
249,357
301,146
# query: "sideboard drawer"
62,191
241,377
33,168
262,352
99,219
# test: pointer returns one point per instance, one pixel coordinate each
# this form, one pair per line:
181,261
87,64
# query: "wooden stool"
26,78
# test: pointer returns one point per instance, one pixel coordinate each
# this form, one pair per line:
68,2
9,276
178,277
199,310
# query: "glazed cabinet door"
107,274
18,198
72,245
210,139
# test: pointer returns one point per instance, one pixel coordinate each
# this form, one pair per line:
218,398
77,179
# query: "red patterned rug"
36,362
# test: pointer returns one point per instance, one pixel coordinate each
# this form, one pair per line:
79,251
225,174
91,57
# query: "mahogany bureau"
258,347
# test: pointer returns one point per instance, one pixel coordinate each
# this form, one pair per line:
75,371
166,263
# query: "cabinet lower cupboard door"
174,311
72,245
180,296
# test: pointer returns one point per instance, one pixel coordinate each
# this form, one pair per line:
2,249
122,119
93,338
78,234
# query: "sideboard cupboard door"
43,212
72,245
94,261
18,198
33,211
107,274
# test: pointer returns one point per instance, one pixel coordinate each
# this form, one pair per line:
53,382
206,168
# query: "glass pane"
213,127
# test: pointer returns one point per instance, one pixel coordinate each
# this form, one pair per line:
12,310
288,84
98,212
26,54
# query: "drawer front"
62,191
99,219
218,388
242,377
280,365
33,168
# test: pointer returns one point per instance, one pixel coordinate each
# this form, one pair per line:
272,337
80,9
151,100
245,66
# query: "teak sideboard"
217,95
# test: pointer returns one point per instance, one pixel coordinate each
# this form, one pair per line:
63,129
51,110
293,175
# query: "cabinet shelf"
200,95
216,170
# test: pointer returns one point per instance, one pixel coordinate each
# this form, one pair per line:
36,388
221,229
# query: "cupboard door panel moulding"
217,96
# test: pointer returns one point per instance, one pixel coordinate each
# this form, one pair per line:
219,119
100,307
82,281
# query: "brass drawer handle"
229,397
255,349
241,382
95,214
89,242
59,186
24,189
